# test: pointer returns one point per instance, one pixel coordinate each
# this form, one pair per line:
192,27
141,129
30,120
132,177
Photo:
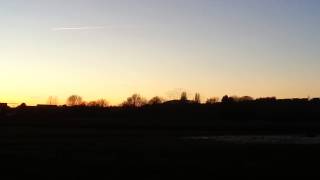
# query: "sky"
113,48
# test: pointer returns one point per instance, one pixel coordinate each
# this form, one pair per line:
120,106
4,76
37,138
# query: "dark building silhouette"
3,105
46,106
3,108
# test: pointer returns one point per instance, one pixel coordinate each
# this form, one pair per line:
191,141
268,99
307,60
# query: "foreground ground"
52,152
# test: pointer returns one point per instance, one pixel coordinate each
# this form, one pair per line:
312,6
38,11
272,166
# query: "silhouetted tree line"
136,100
137,110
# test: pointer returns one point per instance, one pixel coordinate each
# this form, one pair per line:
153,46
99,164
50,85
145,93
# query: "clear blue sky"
113,48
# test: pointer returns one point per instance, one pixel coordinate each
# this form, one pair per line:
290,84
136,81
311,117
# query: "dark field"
256,139
85,153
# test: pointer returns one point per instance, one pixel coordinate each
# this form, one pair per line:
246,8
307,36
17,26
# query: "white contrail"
78,28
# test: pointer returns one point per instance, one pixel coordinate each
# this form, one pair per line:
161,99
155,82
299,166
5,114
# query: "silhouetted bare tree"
22,106
268,98
52,100
135,101
74,100
92,104
225,99
155,100
315,100
102,103
184,96
245,98
212,100
197,98
98,103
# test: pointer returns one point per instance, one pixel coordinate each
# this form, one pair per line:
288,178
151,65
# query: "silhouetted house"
285,100
300,100
267,99
46,106
3,105
177,102
3,108
172,102
227,99
315,100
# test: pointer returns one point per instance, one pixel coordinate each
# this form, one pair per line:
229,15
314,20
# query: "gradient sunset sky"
113,48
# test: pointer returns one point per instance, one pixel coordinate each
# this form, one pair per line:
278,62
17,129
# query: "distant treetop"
74,100
134,101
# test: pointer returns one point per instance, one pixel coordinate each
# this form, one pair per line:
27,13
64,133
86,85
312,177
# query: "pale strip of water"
258,139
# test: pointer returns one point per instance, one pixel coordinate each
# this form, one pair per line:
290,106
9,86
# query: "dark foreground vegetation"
151,141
